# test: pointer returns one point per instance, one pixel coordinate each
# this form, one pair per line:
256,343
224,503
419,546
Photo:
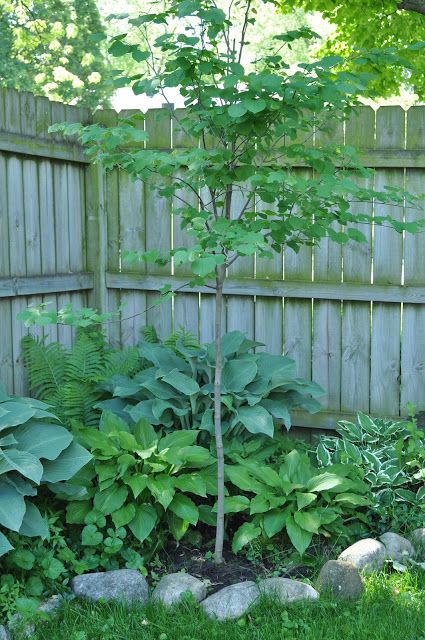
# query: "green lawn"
392,608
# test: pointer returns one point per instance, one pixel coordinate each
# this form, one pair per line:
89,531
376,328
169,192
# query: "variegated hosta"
34,450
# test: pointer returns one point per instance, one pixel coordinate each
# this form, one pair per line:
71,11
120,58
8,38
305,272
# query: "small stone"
367,555
231,602
52,605
285,590
417,538
171,588
4,633
342,579
397,547
124,585
17,625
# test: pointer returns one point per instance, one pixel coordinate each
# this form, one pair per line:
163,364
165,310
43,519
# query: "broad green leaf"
137,482
299,537
12,507
256,420
33,524
144,433
111,499
323,455
124,515
184,508
42,440
308,520
183,438
234,504
246,533
162,488
352,498
177,526
274,521
325,482
91,536
237,374
207,516
241,478
265,502
304,499
5,545
237,110
181,382
144,521
77,511
70,461
24,463
191,483
278,409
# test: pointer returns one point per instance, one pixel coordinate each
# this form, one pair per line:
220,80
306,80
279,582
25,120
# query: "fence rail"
352,317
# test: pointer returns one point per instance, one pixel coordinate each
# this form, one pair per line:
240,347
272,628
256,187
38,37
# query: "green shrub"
175,388
34,450
390,456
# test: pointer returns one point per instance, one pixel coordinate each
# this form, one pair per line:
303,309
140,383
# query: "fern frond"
149,334
85,361
187,339
45,364
125,362
78,400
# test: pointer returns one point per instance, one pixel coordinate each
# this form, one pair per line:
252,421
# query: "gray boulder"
367,555
4,633
124,585
342,579
231,602
417,538
397,547
285,590
171,588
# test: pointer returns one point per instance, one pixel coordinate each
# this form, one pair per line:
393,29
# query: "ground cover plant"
393,606
238,190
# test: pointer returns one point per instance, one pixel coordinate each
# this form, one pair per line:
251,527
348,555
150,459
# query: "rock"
51,606
231,602
285,590
18,626
125,585
367,555
4,633
417,538
171,588
342,579
397,547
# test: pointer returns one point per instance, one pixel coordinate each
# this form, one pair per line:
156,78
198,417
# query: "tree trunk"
219,536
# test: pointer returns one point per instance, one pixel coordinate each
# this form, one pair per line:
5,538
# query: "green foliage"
175,389
278,492
46,48
375,26
69,379
34,450
138,490
390,456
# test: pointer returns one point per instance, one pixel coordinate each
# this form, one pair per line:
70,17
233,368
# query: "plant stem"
219,536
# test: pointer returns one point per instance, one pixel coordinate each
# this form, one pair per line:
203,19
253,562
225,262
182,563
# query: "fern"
46,366
85,361
125,362
184,337
150,335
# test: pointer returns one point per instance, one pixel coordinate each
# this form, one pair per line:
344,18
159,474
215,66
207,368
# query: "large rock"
231,602
4,633
124,585
285,590
342,579
417,538
367,555
171,588
397,547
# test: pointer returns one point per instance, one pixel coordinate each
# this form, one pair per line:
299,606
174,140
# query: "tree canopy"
46,46
369,25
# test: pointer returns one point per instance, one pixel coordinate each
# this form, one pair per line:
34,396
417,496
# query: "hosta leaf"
33,524
42,440
184,508
191,483
256,420
304,499
308,520
299,537
144,521
162,488
326,482
22,462
241,478
70,461
352,498
234,504
5,545
111,499
186,385
237,374
137,482
323,455
124,515
77,511
178,526
244,535
274,521
12,507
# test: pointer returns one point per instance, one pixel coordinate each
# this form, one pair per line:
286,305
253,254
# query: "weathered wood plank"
387,269
38,285
6,353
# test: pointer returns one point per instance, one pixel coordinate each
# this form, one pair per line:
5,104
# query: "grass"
392,608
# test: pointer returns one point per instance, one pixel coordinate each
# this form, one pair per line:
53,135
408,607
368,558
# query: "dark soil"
234,569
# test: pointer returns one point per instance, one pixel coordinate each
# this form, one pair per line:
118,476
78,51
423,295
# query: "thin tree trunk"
219,536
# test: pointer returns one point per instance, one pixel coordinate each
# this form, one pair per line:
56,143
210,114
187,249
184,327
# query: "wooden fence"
353,318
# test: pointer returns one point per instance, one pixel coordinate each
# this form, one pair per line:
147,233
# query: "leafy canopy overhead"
46,48
377,24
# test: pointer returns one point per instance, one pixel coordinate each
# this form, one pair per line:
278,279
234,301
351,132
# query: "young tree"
238,187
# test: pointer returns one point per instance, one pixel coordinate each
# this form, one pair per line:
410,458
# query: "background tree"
377,24
46,48
238,188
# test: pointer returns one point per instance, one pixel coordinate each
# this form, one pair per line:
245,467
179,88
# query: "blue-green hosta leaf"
12,507
42,440
34,525
230,344
144,521
299,537
5,545
183,383
163,357
70,461
256,420
24,463
14,413
246,533
278,409
237,374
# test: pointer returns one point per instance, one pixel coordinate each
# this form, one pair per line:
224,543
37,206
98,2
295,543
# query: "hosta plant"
390,455
140,486
34,450
290,496
176,388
